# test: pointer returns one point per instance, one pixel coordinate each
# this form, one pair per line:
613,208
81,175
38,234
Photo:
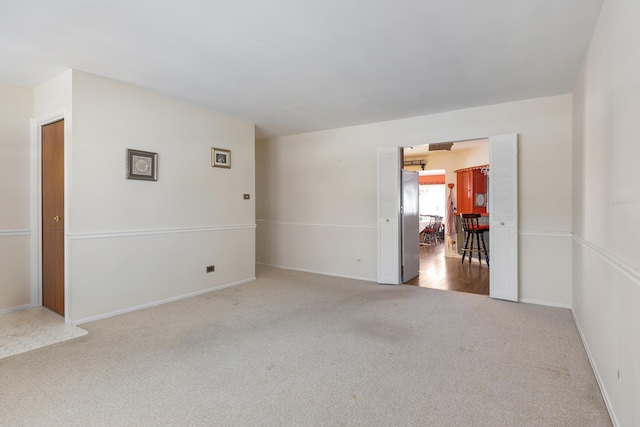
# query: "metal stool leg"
484,247
465,248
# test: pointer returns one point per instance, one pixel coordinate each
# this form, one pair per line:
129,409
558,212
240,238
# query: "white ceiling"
293,66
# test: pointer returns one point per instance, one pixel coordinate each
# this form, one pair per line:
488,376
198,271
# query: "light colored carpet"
297,349
33,328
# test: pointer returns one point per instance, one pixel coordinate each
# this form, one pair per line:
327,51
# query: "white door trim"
393,253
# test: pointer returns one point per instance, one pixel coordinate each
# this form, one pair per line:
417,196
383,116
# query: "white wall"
16,110
317,192
54,97
476,156
135,243
606,207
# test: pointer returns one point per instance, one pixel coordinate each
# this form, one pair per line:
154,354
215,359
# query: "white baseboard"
20,307
324,273
155,303
545,303
594,367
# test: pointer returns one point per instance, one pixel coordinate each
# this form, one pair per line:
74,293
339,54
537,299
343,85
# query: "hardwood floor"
440,272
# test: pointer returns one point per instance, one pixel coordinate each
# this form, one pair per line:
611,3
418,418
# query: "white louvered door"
503,205
389,216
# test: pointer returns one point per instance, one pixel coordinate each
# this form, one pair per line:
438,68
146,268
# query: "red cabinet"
465,181
472,190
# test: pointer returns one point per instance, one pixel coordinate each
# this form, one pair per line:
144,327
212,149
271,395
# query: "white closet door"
389,215
503,202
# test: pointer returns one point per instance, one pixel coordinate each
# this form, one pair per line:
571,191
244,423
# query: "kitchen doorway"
440,260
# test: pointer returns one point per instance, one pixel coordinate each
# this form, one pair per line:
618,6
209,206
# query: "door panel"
410,226
53,216
389,248
503,202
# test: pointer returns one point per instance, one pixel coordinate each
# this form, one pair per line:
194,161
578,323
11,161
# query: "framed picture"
142,165
220,158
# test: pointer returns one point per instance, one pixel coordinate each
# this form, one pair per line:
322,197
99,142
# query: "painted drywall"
476,156
606,207
316,209
54,98
16,110
134,243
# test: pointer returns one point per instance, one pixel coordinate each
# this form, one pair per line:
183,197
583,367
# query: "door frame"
36,207
399,249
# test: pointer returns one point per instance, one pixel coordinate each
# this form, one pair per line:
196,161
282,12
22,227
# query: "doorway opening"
440,254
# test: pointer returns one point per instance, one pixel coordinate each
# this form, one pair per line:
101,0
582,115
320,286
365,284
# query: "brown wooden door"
52,216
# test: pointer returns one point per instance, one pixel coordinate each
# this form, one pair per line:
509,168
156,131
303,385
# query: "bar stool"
474,231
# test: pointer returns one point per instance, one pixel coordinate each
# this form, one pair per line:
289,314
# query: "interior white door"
503,202
410,226
389,248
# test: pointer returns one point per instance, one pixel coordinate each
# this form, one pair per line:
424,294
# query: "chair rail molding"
545,233
150,232
6,233
631,272
311,224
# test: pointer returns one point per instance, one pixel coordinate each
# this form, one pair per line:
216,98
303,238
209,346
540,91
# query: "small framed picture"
220,158
142,165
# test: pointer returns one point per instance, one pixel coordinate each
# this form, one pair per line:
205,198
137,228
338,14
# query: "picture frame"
142,165
220,158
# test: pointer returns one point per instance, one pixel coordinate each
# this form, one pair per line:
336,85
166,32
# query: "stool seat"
474,237
480,228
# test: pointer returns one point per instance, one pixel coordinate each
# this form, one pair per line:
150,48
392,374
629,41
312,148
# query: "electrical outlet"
358,260
211,268
246,197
